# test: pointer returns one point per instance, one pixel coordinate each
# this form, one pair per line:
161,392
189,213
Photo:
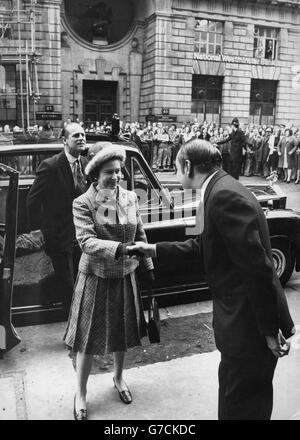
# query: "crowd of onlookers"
266,149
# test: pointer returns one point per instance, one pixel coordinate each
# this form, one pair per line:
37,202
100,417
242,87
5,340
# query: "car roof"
31,148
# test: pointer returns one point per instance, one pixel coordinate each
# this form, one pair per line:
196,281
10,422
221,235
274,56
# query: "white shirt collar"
71,159
205,184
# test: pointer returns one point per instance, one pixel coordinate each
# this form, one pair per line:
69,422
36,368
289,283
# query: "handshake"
137,250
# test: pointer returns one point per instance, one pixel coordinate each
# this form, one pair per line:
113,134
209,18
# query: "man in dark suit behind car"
59,181
250,314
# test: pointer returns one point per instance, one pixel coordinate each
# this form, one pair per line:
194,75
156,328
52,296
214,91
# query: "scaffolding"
18,49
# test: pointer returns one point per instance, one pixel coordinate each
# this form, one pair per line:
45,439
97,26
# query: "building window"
265,43
263,102
207,97
8,102
208,37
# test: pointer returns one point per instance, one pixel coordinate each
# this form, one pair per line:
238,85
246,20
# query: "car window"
26,163
148,195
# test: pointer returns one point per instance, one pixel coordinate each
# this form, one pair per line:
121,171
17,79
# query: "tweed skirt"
106,315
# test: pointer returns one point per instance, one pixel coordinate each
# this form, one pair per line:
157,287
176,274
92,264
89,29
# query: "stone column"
135,74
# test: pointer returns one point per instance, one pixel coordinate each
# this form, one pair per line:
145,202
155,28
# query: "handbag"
153,325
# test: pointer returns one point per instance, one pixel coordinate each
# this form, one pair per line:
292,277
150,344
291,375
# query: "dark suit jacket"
49,203
248,300
237,141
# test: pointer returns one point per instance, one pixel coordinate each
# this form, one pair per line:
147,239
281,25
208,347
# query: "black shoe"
81,414
125,395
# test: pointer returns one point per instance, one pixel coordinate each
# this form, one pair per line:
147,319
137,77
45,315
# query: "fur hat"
108,152
95,148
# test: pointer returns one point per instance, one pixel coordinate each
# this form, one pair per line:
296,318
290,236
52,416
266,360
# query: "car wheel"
283,259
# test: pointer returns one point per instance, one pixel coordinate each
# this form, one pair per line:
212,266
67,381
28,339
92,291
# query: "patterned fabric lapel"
123,207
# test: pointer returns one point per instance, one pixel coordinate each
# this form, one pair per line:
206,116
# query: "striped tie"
79,179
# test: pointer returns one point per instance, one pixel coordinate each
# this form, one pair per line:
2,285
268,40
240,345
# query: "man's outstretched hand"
141,249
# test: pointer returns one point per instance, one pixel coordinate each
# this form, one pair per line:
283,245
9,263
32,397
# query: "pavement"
38,382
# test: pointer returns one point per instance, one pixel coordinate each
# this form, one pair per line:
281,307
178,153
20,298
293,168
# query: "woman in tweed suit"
106,313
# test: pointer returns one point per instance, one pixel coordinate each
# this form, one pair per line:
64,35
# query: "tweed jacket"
99,234
49,203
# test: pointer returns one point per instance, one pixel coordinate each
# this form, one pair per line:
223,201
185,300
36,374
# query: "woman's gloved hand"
122,249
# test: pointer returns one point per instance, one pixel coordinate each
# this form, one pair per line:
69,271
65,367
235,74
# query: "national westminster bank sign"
232,59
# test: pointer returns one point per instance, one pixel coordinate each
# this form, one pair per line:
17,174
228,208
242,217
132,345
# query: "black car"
167,216
8,228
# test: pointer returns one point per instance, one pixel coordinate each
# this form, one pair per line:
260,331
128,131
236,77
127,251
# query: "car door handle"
6,273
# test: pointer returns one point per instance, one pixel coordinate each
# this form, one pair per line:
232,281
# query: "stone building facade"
174,66
170,60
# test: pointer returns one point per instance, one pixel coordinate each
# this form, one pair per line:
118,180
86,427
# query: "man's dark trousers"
65,265
236,166
245,387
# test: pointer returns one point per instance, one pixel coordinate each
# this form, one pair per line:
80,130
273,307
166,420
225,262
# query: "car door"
34,286
8,228
165,218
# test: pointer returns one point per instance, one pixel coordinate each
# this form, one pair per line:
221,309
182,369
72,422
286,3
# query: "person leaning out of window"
106,313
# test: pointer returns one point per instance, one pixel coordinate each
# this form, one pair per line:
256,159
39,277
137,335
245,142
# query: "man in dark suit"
59,181
250,314
237,143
